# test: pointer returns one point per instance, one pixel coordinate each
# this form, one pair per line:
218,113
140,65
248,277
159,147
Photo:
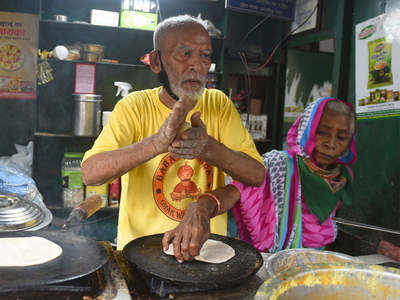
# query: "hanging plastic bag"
21,161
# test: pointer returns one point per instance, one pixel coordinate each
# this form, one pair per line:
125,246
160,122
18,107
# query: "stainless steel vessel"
17,214
87,114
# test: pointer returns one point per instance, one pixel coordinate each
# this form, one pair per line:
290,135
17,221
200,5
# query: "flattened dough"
214,252
27,251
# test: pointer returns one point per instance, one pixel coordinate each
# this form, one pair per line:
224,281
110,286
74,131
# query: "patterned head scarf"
301,136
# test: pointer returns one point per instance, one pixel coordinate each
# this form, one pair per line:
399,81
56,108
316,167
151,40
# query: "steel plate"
80,257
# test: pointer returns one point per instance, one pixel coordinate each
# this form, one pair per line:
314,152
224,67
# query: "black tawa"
147,255
80,256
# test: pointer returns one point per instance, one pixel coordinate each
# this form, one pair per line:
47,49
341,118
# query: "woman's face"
332,138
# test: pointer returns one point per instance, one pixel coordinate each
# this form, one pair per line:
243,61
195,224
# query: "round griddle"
80,257
147,255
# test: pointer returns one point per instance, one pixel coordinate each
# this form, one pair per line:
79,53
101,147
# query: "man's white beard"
176,86
191,94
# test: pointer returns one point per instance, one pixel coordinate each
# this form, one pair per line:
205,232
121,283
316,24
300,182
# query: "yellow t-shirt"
155,194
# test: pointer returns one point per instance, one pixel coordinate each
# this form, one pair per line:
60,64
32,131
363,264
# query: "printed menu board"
18,48
378,67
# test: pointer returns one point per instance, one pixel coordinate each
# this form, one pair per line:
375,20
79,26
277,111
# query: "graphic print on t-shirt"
177,182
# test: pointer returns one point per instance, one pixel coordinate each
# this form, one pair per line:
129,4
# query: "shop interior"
270,67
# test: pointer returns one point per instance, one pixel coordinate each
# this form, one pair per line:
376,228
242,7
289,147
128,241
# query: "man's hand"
170,128
192,142
190,235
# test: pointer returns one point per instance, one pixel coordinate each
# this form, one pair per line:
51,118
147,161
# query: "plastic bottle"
72,183
114,192
123,88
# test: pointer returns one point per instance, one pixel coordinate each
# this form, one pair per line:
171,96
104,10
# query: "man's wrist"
155,143
206,154
207,202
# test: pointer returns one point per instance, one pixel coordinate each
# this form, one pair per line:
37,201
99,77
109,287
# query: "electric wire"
243,59
280,42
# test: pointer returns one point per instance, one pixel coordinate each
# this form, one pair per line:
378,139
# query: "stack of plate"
17,214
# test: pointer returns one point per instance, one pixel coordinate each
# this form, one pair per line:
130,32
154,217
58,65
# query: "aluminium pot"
87,114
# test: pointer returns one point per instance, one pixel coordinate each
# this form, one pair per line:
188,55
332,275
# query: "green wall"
377,172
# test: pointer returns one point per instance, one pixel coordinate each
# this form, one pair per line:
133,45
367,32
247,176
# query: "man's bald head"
173,23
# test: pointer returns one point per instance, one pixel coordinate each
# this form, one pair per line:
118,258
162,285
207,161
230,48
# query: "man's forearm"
103,167
238,165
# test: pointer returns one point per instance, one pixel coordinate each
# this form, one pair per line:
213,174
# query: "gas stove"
89,285
163,288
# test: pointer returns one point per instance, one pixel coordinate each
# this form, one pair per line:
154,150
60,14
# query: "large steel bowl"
290,258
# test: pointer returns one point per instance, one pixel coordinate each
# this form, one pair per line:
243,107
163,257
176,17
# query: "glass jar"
72,183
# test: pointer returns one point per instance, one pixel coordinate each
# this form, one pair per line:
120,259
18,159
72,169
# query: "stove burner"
89,285
163,288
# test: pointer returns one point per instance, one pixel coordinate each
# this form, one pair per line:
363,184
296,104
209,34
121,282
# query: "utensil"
91,57
147,255
291,258
87,114
17,214
365,226
94,48
93,52
333,281
80,257
83,211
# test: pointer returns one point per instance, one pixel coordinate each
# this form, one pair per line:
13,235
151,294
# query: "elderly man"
164,168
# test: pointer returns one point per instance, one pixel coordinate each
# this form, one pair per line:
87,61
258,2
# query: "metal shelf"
99,63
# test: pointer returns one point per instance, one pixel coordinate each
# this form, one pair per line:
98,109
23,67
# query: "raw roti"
27,251
214,252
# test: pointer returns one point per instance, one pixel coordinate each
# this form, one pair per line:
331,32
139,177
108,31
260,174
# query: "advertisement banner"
18,48
378,67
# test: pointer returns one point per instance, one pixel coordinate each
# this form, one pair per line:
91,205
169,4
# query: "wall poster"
378,67
18,48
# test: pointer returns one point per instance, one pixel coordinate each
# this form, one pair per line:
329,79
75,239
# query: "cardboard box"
104,17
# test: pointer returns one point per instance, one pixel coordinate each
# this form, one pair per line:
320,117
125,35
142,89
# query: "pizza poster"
377,78
18,48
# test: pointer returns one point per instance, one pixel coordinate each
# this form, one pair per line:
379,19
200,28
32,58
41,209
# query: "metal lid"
18,214
87,97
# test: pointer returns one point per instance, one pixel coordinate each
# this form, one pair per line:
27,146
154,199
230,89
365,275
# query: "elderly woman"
302,189
305,185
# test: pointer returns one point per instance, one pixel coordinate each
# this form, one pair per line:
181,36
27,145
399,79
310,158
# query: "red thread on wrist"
217,210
